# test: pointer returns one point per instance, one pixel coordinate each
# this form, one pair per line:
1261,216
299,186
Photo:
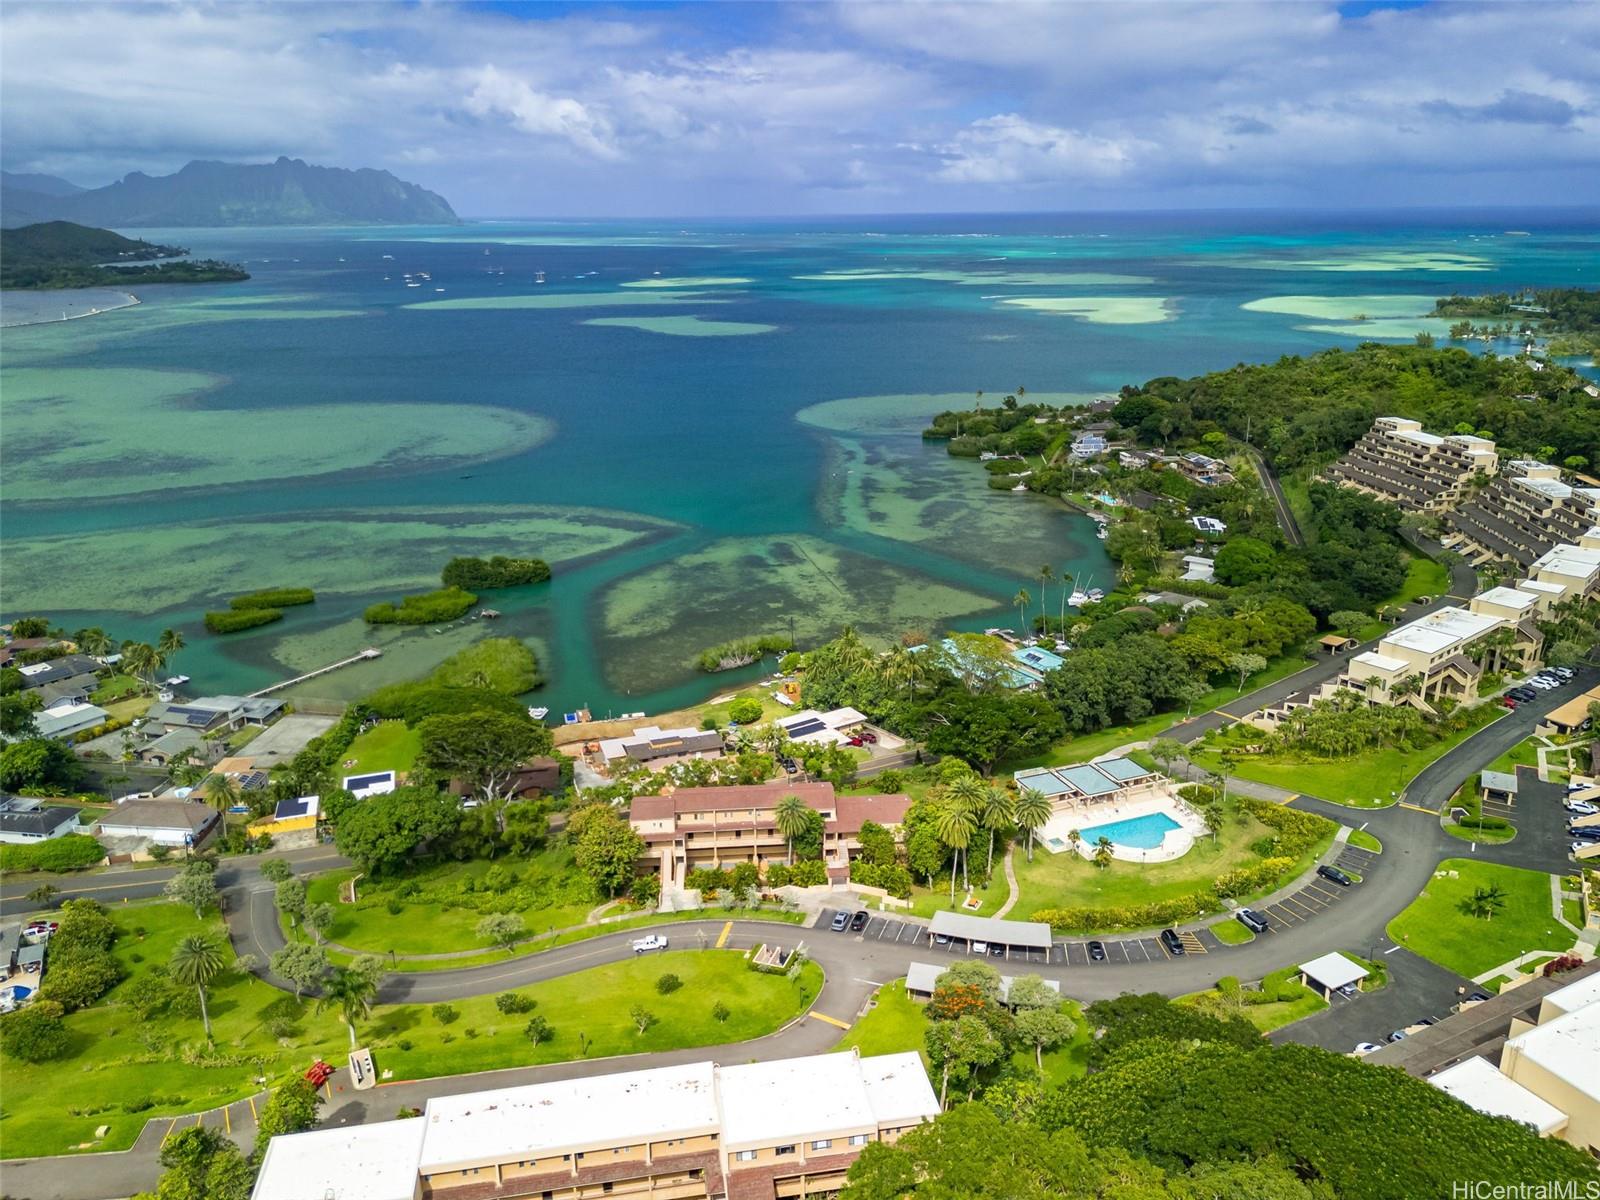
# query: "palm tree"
1033,810
168,644
1486,901
1102,852
1074,839
1067,580
1046,574
791,816
352,992
92,641
196,962
222,792
997,810
140,660
1022,600
955,826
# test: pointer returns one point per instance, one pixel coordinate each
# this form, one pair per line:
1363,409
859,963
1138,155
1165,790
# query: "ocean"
710,429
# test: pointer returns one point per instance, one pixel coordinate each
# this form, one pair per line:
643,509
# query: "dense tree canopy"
381,832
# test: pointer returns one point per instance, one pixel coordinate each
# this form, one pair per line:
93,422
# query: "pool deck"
1176,843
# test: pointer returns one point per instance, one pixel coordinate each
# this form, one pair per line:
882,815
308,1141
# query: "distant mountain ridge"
286,192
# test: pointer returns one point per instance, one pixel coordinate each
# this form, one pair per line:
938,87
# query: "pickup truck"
646,944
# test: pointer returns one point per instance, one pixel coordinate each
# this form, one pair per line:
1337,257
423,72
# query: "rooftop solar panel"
802,728
361,781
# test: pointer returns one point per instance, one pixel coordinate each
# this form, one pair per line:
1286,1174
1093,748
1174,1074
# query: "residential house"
214,714
26,820
68,719
293,823
374,783
697,1131
162,822
174,742
831,728
723,826
534,778
658,748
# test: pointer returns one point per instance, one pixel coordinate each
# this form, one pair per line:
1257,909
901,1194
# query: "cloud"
531,111
1011,149
1513,107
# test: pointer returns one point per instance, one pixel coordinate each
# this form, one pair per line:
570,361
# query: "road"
855,964
1286,521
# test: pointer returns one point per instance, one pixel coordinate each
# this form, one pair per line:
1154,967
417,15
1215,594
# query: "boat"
389,256
1077,599
176,681
538,276
1096,594
1101,533
539,714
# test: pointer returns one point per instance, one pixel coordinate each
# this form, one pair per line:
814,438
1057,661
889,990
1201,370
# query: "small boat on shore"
539,714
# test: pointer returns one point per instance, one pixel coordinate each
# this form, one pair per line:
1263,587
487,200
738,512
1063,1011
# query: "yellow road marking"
816,1016
253,1115
227,1119
1432,812
722,940
327,1089
1288,800
168,1133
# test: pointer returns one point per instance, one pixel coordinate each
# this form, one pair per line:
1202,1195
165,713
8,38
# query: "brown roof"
535,775
735,799
164,814
885,810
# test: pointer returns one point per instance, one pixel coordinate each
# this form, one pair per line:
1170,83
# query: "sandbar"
1100,310
689,281
558,300
685,326
1343,308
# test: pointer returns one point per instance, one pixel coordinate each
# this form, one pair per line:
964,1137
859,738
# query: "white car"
1544,685
1582,808
646,944
980,947
1563,672
1366,1047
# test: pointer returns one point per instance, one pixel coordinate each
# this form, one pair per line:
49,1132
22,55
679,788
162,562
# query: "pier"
369,652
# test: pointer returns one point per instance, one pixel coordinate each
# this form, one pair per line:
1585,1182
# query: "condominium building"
1397,461
1521,515
1567,572
783,1130
723,826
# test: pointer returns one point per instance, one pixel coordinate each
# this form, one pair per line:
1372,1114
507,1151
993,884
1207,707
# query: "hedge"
1159,912
425,608
111,726
1294,831
233,620
894,878
810,873
70,852
273,598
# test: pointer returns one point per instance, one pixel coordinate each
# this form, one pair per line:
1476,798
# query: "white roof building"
1478,1084
348,1162
69,718
1333,971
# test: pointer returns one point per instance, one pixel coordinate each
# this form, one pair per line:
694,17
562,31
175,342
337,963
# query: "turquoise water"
713,430
1139,833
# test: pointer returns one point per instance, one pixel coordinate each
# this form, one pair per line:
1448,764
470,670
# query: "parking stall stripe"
722,938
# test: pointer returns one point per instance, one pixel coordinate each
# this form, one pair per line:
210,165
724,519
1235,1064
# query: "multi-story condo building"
783,1130
723,826
1521,515
1397,461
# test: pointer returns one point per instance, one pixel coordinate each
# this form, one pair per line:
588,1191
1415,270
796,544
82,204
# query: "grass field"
1523,754
1362,840
1266,1017
1436,926
927,901
898,1023
1231,933
1370,780
1424,577
122,1070
115,687
1068,880
387,746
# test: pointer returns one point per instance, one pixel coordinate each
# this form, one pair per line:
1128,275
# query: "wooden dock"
369,653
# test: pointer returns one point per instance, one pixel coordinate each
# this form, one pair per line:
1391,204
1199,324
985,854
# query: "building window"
605,1188
783,1149
746,1156
858,1139
823,1144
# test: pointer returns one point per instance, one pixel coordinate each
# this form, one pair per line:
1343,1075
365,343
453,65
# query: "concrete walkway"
1011,883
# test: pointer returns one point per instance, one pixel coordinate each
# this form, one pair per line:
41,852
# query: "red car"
868,736
319,1073
1508,702
855,741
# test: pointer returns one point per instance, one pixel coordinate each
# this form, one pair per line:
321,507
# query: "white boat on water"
538,276
1077,599
176,681
538,714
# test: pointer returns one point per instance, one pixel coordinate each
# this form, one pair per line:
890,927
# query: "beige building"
1549,1075
1397,461
724,826
781,1130
1521,515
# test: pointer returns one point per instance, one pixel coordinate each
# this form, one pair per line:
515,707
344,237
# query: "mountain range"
286,192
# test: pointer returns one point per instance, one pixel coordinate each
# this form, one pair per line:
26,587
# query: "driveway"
1417,988
285,738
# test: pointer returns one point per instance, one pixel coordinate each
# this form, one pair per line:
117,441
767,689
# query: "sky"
729,109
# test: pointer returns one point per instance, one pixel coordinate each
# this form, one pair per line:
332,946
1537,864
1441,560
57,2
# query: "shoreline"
129,300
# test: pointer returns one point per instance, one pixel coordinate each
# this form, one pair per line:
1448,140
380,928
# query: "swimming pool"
1140,833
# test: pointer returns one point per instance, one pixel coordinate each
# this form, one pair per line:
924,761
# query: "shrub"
496,572
282,1029
742,652
1130,916
445,1013
273,598
719,1012
70,852
425,608
234,620
538,1030
810,873
746,710
415,702
514,1002
893,878
34,1033
668,984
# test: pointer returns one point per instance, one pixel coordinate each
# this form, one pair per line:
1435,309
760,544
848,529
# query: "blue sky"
662,109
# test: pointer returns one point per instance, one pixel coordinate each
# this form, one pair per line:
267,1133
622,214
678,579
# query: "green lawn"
115,687
1297,495
1090,745
442,915
1435,925
122,1071
1362,840
927,901
1231,933
1424,577
387,746
1068,880
1523,754
1273,1014
1572,910
1370,780
897,1023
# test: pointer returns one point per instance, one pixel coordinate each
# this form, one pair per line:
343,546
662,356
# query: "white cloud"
1011,149
531,111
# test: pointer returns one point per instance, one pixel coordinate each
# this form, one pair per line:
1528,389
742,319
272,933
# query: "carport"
1013,935
1330,973
921,979
1499,786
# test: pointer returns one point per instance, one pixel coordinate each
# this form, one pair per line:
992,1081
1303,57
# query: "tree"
1044,1026
92,641
195,885
1246,665
1046,574
789,814
168,645
538,1030
320,918
292,1108
34,1033
352,993
1244,560
1485,901
275,869
30,627
720,1012
382,831
290,897
1166,751
606,849
1211,814
202,1164
746,710
484,749
142,661
502,929
997,812
38,763
1022,600
1033,812
1102,852
960,1048
956,824
642,1018
195,962
222,792
877,844
301,963
44,895
1348,621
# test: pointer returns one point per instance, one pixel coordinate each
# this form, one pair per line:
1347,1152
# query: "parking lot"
882,928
